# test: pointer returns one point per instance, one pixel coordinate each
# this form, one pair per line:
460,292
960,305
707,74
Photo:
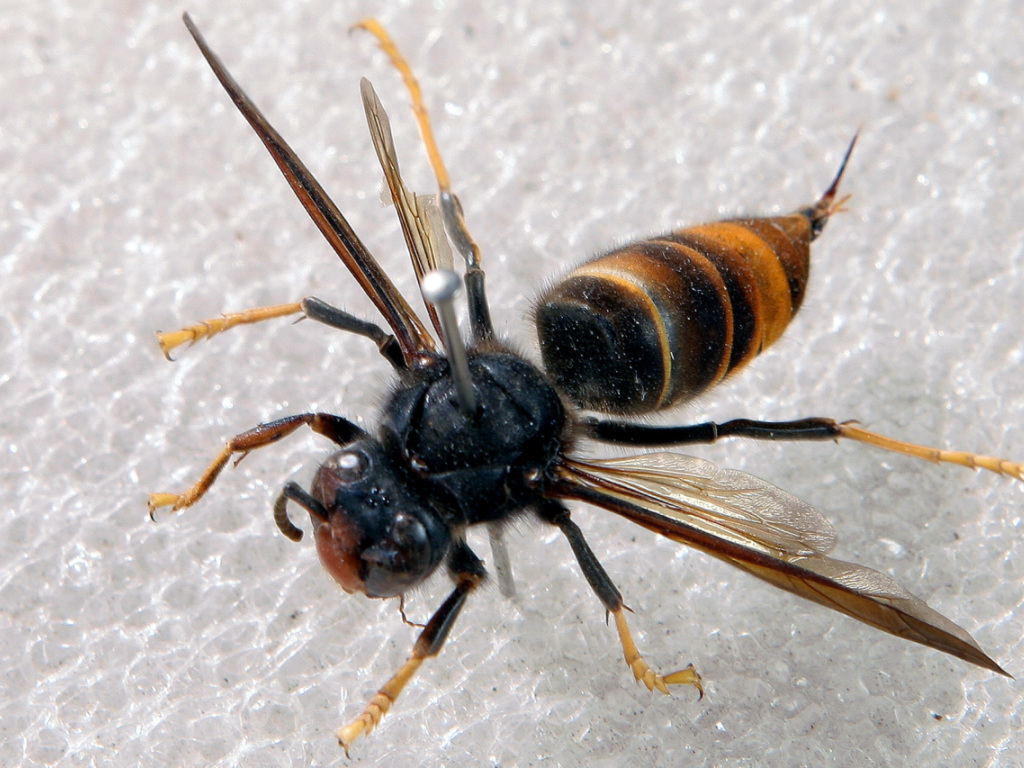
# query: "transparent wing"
722,502
419,215
763,530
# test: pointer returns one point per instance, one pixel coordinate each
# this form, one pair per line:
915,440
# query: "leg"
555,513
626,433
340,430
937,455
204,329
324,313
311,307
469,573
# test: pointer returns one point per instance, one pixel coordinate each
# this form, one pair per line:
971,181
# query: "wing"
722,502
419,215
412,337
765,531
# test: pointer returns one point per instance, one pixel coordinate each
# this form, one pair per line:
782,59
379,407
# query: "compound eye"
408,553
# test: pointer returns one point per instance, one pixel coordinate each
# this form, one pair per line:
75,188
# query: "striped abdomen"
659,321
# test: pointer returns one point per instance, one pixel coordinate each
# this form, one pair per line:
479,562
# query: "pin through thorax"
439,289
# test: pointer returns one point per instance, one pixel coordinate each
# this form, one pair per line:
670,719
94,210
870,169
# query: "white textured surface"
134,198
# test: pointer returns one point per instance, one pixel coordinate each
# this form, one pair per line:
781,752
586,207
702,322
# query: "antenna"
439,288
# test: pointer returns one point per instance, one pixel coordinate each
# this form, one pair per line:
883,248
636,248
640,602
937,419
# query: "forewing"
871,597
763,530
725,503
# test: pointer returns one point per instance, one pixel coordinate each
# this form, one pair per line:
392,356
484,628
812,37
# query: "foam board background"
134,198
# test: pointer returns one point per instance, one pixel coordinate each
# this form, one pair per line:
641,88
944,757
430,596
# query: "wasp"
477,434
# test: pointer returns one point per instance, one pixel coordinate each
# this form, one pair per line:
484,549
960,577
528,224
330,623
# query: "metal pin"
439,288
502,562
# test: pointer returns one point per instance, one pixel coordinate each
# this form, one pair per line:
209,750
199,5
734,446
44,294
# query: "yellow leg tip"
642,670
158,500
686,676
174,339
655,681
347,735
367,721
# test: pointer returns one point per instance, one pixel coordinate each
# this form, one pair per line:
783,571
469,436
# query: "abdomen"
659,321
